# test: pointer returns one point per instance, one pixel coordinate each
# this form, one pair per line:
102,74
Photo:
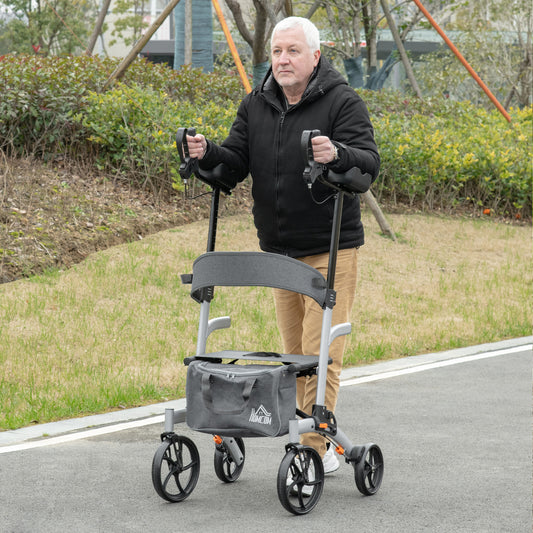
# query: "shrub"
38,97
446,154
133,129
41,95
188,83
435,153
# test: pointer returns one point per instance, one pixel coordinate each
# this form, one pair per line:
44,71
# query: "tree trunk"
401,49
259,54
98,27
313,8
187,45
370,24
372,204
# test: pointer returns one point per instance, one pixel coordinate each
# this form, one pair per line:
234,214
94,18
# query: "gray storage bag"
240,400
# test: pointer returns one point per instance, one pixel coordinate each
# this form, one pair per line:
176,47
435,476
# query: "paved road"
455,430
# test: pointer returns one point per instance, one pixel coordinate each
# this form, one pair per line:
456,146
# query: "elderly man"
301,91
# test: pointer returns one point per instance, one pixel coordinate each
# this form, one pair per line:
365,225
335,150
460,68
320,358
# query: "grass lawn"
112,331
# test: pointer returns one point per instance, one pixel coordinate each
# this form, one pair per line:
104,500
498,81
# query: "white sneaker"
307,490
331,464
330,461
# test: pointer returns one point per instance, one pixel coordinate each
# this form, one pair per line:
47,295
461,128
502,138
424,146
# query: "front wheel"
369,470
300,480
175,468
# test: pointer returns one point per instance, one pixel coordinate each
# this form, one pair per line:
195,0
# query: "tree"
48,27
98,26
194,34
130,23
495,37
349,23
267,14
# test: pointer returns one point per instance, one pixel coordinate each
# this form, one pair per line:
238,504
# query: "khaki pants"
300,325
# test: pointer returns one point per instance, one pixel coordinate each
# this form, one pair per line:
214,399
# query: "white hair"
311,32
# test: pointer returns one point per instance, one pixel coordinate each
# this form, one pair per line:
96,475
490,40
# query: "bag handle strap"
208,397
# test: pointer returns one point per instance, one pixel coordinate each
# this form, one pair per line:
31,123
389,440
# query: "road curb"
424,359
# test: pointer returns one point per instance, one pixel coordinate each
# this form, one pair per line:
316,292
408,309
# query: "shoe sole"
326,472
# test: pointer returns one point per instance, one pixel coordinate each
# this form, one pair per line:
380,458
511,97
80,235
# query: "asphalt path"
454,428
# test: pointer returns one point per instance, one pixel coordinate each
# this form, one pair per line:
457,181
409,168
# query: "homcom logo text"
261,416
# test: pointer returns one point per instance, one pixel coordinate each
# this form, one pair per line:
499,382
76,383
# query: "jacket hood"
323,79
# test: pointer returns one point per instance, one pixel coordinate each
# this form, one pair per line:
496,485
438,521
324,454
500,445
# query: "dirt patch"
53,216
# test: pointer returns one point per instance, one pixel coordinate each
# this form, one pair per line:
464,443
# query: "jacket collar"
323,79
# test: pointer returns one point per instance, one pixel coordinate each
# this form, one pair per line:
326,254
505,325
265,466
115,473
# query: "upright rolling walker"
232,401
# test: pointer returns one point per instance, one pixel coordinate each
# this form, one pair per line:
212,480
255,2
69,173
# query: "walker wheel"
300,479
175,468
369,470
226,468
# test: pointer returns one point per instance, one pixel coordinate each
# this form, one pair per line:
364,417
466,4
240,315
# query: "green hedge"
448,154
435,154
133,129
42,98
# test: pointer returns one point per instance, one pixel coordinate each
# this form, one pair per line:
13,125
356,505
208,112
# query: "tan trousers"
300,325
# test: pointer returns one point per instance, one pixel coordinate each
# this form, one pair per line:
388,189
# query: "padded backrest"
245,269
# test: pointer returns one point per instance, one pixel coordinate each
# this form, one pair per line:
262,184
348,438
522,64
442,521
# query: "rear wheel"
226,468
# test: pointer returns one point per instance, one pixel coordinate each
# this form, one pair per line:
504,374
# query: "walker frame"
176,463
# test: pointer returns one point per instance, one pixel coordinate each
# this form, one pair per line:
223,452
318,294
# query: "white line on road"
431,366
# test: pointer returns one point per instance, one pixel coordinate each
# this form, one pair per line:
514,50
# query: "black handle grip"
188,164
352,181
312,170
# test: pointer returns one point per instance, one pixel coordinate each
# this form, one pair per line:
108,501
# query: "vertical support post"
203,324
328,310
213,220
323,357
169,420
232,47
335,236
187,45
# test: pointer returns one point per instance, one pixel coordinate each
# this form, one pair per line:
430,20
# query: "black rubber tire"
225,468
175,468
299,468
369,470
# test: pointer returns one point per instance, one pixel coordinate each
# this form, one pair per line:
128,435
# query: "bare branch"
313,8
236,11
269,10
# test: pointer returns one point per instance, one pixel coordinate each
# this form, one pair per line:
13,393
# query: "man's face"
292,60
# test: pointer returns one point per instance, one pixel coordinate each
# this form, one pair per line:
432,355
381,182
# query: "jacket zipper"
277,177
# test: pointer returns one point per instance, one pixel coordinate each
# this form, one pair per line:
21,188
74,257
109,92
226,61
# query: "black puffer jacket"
265,141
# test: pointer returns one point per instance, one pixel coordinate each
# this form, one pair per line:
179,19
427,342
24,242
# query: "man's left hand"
323,149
